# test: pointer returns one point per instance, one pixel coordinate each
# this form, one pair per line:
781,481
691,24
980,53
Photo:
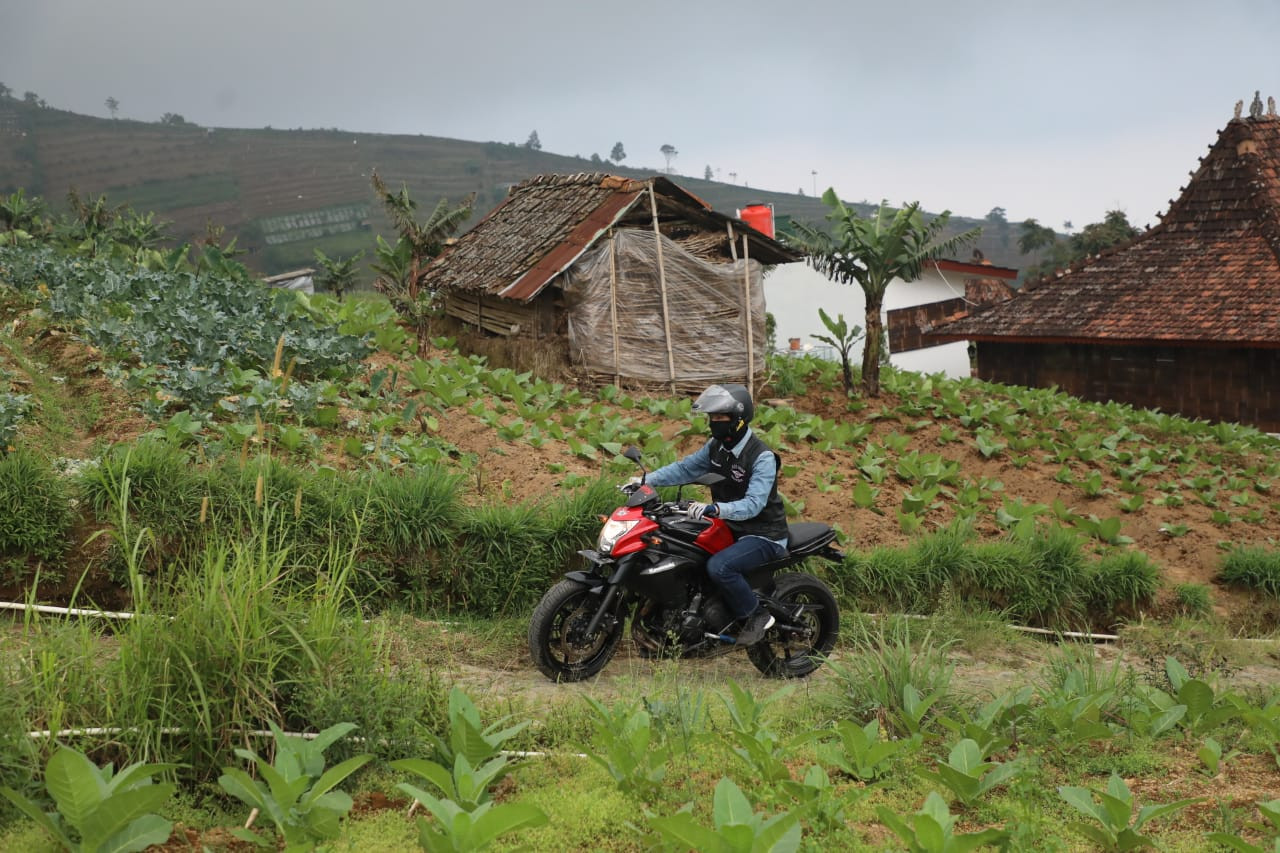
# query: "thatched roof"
1208,274
547,222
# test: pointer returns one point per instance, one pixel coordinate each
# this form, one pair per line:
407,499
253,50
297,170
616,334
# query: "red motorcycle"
650,564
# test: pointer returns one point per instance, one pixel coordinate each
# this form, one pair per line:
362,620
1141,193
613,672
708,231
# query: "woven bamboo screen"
614,294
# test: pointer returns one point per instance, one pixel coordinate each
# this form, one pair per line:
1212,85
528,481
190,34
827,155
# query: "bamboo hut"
636,282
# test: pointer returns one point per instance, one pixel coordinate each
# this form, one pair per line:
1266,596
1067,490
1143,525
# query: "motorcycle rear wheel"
811,605
556,641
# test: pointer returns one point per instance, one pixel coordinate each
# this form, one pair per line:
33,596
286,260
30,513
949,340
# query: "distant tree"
1090,240
707,174
533,143
1113,229
1066,225
618,154
173,119
733,177
5,91
670,152
873,251
799,190
31,98
113,106
996,215
337,275
595,158
1035,236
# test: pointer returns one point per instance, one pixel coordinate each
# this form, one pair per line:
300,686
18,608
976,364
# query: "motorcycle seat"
805,537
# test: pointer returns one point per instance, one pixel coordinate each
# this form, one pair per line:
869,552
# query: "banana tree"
873,251
401,268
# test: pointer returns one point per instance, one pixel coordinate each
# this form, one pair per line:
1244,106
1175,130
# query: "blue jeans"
727,568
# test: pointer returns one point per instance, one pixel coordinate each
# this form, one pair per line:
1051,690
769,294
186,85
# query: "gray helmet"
726,400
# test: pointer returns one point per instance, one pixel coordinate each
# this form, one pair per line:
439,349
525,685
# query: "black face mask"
726,431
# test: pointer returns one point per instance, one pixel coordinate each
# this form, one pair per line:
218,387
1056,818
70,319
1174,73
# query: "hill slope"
284,192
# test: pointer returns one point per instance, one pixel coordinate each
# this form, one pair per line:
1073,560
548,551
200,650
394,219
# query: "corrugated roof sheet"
547,222
1209,273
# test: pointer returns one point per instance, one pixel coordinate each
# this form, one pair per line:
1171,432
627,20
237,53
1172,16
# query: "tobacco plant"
97,809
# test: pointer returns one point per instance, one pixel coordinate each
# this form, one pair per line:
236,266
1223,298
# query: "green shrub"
37,513
1035,579
504,562
511,552
412,513
155,480
1121,583
1193,598
885,579
1254,567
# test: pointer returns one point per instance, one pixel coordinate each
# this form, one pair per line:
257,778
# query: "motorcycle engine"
657,630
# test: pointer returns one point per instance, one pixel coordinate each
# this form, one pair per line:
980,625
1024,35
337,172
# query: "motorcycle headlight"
611,533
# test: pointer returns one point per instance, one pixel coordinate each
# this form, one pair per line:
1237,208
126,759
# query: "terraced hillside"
285,192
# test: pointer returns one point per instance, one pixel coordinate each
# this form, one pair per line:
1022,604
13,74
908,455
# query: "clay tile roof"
1208,273
547,222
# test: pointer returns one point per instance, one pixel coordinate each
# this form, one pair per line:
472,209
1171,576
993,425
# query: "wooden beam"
746,297
613,304
662,286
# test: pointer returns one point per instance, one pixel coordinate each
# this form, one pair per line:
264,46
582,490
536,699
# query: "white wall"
794,293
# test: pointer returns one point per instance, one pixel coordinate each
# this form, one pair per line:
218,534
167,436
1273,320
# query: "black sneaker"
753,627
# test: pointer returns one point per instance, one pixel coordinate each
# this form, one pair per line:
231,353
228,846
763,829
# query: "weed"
1193,599
37,512
1254,567
887,674
1121,583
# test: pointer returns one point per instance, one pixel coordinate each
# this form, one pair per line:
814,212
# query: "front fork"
613,586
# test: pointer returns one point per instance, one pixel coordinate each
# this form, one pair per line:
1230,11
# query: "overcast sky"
1054,110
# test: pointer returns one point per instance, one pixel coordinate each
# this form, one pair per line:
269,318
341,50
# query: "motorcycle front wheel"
797,643
557,634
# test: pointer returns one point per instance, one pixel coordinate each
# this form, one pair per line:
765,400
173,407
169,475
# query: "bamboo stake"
662,286
733,247
613,304
746,309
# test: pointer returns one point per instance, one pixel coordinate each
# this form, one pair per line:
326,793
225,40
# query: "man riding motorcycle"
747,499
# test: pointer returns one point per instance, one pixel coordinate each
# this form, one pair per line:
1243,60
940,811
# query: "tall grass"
511,552
164,490
884,666
243,632
1254,567
1121,584
35,512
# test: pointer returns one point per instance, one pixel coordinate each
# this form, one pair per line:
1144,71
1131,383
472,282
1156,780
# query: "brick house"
1184,318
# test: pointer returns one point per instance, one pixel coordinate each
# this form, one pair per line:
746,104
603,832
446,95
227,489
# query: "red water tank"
759,217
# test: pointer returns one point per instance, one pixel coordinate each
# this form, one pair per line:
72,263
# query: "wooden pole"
613,303
662,286
733,247
746,299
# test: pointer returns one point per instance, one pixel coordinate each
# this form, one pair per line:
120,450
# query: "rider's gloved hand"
631,485
698,511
